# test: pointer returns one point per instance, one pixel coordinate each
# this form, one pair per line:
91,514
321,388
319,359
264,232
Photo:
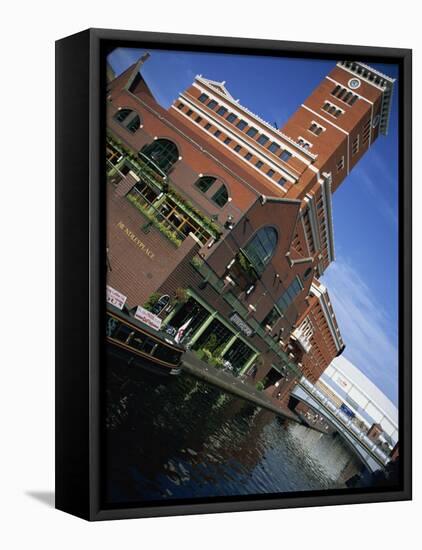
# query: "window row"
344,95
303,143
172,217
316,129
332,109
242,125
284,155
366,131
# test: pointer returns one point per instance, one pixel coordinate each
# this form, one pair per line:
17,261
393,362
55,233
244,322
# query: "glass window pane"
221,197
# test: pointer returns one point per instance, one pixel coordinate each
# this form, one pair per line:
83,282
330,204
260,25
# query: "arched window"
129,119
163,153
221,196
205,183
261,247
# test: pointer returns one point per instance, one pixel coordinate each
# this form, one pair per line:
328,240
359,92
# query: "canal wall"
227,382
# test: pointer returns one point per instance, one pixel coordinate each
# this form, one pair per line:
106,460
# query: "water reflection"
180,438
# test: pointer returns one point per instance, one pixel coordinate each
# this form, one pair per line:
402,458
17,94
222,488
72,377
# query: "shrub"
152,300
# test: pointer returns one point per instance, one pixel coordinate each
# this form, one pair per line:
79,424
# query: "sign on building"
148,318
238,322
115,298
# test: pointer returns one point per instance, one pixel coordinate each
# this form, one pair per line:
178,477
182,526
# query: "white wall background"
28,31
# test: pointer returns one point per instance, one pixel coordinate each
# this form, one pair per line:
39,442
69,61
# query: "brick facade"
281,179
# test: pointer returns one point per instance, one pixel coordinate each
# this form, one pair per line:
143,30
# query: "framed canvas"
233,274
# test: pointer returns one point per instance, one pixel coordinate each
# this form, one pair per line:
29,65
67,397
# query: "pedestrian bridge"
372,456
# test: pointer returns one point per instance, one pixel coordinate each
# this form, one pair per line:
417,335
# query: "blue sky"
363,281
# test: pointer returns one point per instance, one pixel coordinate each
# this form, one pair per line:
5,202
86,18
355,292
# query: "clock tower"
343,116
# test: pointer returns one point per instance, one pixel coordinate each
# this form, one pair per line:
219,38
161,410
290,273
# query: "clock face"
354,83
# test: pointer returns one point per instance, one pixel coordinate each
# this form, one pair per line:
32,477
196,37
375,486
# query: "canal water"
177,438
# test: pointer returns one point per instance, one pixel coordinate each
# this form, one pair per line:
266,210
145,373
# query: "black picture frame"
80,255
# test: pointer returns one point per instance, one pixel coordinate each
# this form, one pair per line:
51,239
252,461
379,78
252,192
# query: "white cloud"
368,331
375,189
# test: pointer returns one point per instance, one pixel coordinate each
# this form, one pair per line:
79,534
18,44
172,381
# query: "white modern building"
360,398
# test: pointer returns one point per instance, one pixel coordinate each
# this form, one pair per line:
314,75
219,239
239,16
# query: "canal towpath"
236,386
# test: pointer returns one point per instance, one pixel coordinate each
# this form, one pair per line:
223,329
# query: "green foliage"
195,213
181,295
152,300
159,225
182,202
197,261
246,265
260,385
211,343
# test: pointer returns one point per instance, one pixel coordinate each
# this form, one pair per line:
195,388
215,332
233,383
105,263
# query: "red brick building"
220,222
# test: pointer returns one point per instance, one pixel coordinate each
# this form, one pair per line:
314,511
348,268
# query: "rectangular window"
366,131
262,139
207,126
259,163
212,104
274,147
222,111
217,133
238,148
272,317
189,112
241,124
231,117
248,156
332,109
227,140
252,132
282,180
316,129
340,164
220,198
270,173
285,155
202,98
303,143
204,183
344,95
198,119
289,294
180,106
355,145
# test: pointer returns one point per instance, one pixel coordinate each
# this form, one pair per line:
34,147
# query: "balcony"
302,335
154,196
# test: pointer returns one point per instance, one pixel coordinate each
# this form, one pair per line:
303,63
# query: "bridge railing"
345,420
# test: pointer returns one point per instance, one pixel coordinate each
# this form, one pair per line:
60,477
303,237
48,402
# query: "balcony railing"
161,183
155,217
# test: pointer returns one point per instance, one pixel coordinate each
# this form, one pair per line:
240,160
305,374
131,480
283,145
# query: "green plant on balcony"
197,215
197,262
260,386
181,295
171,235
152,300
210,351
246,266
